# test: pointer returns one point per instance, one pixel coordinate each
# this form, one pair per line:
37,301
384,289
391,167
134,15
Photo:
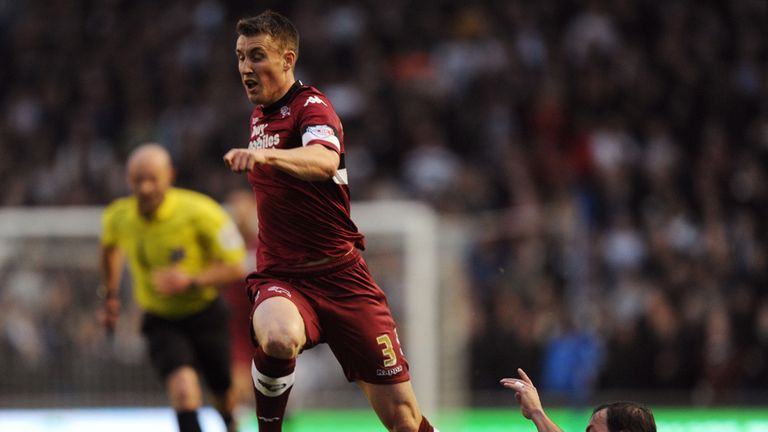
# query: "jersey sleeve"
318,122
109,225
219,233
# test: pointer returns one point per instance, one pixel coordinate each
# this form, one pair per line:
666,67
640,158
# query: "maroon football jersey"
300,221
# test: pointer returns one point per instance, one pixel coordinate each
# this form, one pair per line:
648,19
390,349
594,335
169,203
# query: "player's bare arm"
311,163
111,264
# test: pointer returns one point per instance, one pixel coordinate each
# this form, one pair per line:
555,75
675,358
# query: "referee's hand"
172,280
109,313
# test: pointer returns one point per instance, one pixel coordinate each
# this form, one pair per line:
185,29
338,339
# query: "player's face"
598,422
149,180
265,70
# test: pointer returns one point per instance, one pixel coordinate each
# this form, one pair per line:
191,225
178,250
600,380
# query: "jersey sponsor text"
260,140
389,372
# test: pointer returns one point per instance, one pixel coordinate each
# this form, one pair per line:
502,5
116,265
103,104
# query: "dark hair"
269,22
628,416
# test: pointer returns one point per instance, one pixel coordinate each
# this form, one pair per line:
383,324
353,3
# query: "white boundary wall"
418,224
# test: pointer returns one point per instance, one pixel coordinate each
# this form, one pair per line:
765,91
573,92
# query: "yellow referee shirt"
189,229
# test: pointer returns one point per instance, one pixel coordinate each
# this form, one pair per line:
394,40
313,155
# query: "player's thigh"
395,404
282,319
276,318
361,332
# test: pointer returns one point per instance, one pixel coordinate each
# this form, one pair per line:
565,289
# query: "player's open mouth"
250,84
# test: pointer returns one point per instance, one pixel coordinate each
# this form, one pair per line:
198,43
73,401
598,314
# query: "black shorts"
200,340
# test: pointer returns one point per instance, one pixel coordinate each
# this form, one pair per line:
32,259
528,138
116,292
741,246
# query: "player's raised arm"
530,403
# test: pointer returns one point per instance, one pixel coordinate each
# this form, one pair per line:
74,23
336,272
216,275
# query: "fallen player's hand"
525,393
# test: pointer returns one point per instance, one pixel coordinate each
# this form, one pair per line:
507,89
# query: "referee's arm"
220,274
111,268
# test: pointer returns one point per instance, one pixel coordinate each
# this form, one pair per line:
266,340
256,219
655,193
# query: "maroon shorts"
342,306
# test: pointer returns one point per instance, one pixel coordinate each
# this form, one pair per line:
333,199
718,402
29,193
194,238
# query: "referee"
180,247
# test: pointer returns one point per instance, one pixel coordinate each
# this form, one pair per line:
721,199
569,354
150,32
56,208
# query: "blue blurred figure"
572,361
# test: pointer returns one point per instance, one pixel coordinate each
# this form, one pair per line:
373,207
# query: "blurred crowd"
611,155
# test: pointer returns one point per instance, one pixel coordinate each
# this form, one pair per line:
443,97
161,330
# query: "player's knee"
283,345
280,338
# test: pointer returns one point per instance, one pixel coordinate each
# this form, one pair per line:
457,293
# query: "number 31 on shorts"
390,357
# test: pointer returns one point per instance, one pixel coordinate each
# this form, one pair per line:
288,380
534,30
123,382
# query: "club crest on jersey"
321,131
285,111
314,99
177,255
